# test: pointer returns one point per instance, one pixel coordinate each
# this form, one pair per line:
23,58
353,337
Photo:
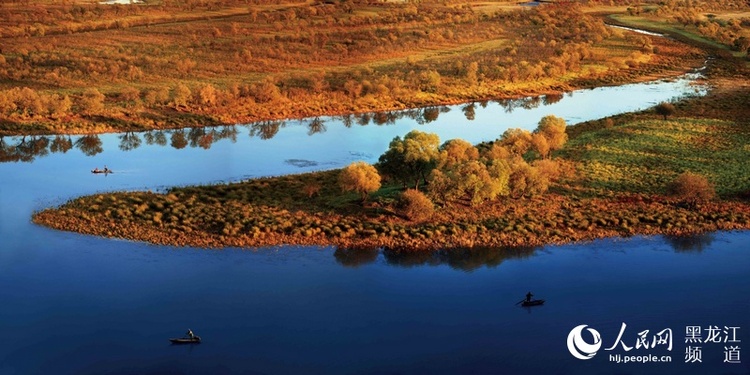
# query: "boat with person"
105,170
535,302
189,338
186,340
528,301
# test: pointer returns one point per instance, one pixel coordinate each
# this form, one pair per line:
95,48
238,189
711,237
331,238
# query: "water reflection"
129,141
694,243
634,97
266,129
469,111
466,260
27,148
356,257
90,145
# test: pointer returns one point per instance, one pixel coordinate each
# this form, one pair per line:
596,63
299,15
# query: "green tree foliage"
691,188
665,109
410,159
415,205
360,177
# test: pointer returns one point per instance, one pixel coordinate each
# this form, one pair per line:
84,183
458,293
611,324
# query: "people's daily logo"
579,347
646,345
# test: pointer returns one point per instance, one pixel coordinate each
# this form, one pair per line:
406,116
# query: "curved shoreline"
561,219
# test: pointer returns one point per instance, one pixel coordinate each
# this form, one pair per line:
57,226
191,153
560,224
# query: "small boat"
535,302
186,340
105,171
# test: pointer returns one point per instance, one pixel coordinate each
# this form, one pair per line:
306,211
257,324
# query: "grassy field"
87,68
643,156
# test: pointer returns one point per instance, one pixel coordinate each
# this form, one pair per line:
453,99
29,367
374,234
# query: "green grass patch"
643,156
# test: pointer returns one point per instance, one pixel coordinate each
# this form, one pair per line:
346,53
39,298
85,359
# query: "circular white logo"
581,349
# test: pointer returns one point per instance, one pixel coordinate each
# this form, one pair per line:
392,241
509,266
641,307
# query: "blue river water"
74,304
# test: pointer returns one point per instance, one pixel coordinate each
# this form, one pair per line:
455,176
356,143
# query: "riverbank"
242,77
616,173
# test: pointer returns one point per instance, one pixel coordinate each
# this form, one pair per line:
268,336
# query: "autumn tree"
553,129
207,95
360,177
92,101
181,95
665,109
540,144
456,151
412,158
691,188
517,141
470,180
526,180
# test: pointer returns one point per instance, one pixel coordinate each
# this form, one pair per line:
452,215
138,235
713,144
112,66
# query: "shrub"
691,188
311,189
665,109
414,205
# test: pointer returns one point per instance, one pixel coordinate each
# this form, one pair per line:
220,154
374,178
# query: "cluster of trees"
26,103
515,165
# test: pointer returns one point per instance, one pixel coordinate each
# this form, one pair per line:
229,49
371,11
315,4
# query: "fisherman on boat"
190,334
106,170
528,296
96,170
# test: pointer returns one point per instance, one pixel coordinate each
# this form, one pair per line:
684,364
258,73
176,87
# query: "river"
74,304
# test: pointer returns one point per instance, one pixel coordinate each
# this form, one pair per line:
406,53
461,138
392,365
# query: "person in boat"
106,170
528,296
96,170
190,333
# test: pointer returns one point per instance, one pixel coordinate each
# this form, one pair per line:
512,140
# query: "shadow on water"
694,243
463,259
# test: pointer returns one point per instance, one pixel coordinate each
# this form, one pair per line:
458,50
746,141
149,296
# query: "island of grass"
634,174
